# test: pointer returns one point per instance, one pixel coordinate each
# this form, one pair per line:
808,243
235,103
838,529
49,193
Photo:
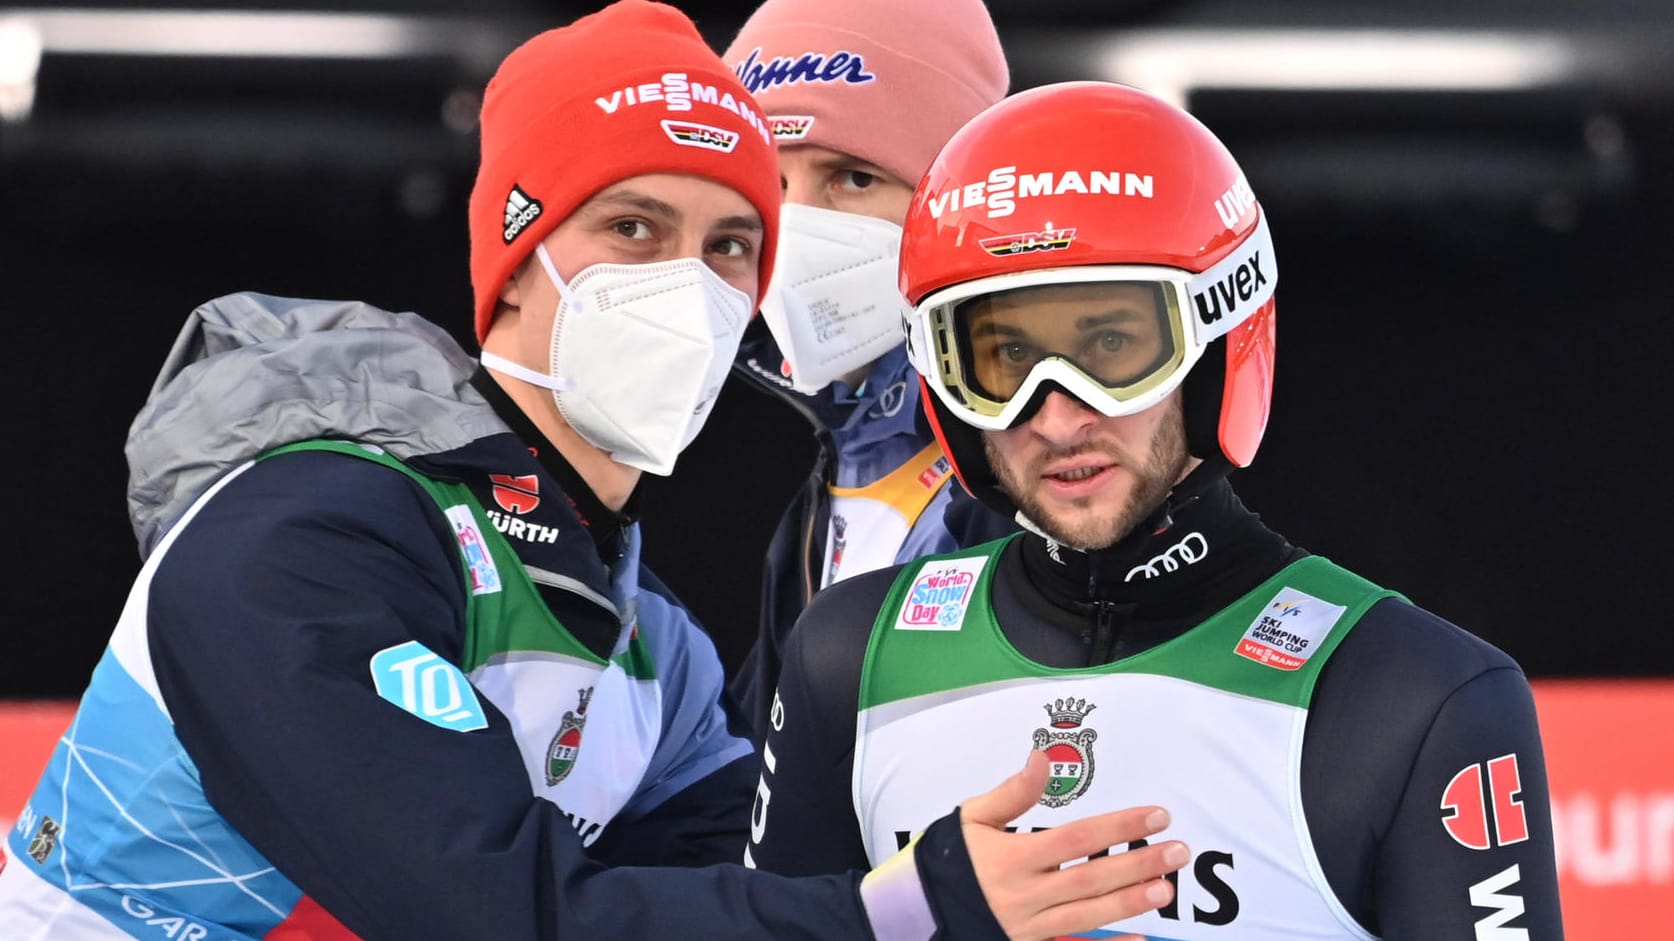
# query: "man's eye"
731,247
1014,353
1111,341
857,179
633,229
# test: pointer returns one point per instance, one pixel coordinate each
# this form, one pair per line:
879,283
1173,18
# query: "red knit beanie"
629,90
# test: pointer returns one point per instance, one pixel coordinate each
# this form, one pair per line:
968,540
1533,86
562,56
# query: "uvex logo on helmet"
1237,286
1234,204
1000,191
1241,285
678,92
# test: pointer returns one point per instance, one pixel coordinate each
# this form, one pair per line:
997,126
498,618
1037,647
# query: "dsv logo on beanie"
690,134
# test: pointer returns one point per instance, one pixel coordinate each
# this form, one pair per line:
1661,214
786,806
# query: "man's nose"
1063,419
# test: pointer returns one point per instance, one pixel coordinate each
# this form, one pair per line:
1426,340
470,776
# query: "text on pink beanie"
887,81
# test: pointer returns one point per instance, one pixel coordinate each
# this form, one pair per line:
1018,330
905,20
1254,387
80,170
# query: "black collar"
1177,558
1198,553
607,527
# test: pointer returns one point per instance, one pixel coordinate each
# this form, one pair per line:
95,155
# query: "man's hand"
1031,897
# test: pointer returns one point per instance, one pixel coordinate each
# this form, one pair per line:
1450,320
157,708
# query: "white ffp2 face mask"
639,354
833,304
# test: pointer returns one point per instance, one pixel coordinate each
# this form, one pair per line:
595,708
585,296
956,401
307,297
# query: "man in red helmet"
1092,286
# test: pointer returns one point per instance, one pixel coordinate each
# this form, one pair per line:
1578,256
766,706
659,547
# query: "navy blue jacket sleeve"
1425,784
263,618
786,587
1485,858
804,821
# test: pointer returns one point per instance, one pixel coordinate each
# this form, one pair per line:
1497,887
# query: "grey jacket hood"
250,372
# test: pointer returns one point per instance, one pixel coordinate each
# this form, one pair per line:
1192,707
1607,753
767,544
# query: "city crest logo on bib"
560,755
1069,749
941,595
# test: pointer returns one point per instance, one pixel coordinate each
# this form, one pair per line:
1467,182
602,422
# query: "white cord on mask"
500,364
517,370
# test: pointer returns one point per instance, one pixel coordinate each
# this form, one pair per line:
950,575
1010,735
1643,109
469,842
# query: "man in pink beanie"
393,669
861,96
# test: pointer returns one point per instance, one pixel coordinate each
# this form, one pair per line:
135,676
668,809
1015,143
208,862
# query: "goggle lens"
1118,334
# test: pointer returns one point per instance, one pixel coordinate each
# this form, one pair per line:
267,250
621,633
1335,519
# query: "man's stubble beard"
1078,527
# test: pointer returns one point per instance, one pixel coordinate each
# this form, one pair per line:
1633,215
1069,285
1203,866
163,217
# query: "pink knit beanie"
887,81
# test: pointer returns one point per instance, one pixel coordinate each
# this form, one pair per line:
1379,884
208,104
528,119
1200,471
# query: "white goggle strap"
1227,294
918,339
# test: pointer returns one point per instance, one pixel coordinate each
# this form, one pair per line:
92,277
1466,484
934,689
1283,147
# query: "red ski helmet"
1090,187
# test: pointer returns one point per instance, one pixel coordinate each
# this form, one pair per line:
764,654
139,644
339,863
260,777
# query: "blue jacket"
413,685
867,437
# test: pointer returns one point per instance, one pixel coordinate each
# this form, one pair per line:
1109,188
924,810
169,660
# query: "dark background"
1471,402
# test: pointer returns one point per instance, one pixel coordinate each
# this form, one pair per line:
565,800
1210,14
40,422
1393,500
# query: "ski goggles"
1119,338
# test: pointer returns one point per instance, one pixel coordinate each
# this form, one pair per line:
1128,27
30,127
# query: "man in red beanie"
860,95
392,668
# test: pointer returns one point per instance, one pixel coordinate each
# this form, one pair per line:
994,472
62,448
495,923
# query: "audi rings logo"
1191,549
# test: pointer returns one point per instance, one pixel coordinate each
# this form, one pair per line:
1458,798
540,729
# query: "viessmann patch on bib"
1288,631
940,596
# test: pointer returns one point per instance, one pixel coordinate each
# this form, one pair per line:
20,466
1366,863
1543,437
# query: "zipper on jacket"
816,490
1103,639
810,519
819,485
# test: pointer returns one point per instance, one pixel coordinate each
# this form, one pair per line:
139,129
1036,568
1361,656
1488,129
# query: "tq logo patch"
1069,749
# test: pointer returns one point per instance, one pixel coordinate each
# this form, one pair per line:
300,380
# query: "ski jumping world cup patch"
1288,631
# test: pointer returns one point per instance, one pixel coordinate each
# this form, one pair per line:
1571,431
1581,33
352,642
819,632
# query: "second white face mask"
833,304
